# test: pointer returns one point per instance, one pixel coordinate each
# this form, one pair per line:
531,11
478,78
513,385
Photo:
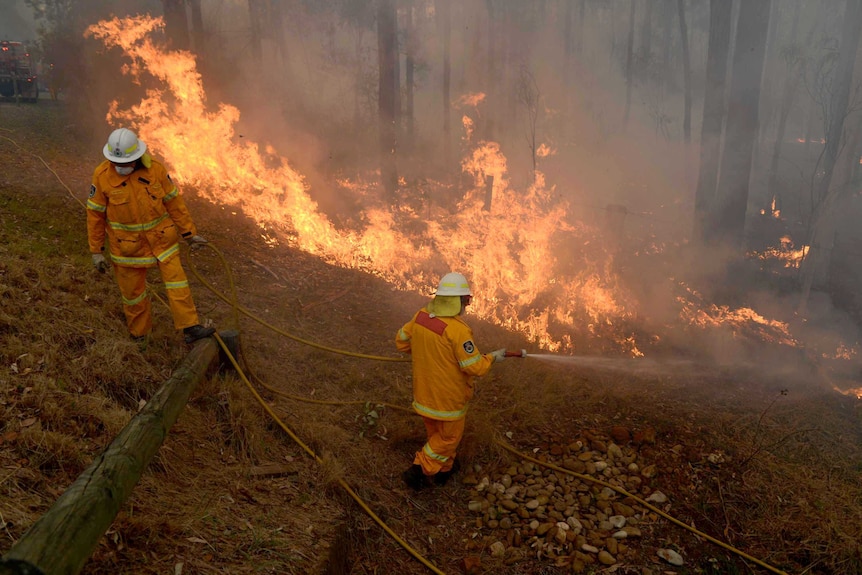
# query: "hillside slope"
768,463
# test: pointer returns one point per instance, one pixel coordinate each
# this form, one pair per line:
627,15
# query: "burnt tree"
726,219
713,110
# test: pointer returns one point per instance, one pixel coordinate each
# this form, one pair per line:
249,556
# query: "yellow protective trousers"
438,454
136,301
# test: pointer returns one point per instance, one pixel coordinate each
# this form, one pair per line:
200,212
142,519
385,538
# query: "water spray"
519,353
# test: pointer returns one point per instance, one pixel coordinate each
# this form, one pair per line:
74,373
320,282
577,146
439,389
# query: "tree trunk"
275,23
176,24
827,193
840,96
646,33
686,68
255,20
727,221
409,68
568,37
579,35
629,64
387,53
62,540
795,70
444,14
198,34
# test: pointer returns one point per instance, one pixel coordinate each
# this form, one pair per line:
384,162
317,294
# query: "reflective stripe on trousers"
137,305
438,453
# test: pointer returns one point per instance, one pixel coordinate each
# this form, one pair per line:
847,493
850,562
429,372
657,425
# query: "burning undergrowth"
537,267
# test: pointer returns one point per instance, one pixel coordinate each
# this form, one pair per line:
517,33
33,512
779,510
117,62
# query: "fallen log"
62,540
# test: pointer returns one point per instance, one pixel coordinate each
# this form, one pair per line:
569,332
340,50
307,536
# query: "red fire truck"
17,73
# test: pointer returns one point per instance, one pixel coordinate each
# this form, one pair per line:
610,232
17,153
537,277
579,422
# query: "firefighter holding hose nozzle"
445,363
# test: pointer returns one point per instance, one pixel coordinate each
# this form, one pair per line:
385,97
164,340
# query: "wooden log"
62,540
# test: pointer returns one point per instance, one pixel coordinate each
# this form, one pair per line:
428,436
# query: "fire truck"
17,73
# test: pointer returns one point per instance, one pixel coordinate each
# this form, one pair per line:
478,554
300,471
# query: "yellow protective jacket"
445,363
142,214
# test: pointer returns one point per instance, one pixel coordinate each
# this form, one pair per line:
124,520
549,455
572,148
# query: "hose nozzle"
519,353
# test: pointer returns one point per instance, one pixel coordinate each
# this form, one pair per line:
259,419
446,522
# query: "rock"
670,556
657,497
589,548
578,566
532,504
617,520
614,451
620,434
475,506
631,531
574,524
543,528
649,471
606,558
497,549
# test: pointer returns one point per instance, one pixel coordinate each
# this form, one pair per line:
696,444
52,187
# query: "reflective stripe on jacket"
142,214
445,362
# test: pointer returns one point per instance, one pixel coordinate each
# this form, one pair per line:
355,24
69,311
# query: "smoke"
590,253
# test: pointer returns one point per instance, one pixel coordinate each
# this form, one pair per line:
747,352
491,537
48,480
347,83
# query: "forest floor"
767,464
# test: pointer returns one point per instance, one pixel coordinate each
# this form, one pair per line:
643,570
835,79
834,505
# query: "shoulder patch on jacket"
92,190
435,324
469,347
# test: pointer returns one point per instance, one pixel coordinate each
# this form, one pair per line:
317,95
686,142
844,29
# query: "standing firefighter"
135,203
445,364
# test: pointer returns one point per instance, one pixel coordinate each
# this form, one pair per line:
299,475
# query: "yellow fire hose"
233,302
501,443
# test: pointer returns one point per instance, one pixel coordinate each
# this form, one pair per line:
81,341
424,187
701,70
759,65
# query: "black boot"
196,332
443,477
415,478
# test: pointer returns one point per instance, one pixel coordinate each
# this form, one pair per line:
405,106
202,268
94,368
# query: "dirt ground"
768,463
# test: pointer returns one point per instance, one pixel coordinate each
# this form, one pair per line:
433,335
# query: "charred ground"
767,461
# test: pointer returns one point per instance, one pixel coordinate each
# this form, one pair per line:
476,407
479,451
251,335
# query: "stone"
497,549
620,434
606,558
670,556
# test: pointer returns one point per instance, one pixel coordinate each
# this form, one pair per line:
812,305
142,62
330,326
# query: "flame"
467,122
775,213
470,100
741,321
792,257
533,267
544,151
843,352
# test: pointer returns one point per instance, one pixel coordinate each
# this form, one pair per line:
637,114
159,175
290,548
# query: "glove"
100,262
498,354
192,240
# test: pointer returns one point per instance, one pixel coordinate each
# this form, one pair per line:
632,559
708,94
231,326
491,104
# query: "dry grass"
787,492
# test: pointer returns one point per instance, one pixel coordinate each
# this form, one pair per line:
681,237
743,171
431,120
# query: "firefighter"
445,363
134,202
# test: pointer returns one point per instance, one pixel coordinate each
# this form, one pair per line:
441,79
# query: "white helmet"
453,284
123,146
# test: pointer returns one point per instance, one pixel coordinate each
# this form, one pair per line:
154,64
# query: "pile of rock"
532,510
